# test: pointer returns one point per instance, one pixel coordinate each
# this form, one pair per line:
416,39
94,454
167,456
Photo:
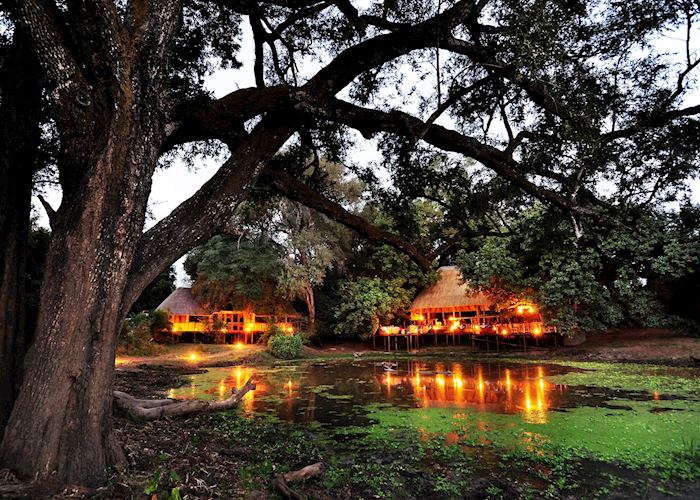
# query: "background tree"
156,292
608,279
232,273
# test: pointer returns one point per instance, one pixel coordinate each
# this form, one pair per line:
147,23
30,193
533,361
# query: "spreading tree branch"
370,121
299,192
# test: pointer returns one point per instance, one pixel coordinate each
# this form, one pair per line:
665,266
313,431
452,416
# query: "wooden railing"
526,328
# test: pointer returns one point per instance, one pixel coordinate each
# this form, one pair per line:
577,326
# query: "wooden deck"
488,336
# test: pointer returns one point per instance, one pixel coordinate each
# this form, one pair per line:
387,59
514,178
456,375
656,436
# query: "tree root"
144,410
280,481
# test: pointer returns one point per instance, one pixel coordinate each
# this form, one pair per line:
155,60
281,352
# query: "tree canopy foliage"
613,278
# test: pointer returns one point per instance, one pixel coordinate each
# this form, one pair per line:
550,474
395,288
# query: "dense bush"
285,346
137,335
594,282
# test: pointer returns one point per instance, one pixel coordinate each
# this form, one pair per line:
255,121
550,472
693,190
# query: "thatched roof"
181,301
449,291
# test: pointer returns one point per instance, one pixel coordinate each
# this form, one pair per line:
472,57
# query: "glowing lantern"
504,332
537,331
529,309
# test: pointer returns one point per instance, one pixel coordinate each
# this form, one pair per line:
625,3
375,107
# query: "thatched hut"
451,306
450,300
187,315
185,312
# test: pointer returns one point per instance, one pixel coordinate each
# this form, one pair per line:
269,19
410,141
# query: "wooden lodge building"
190,320
450,308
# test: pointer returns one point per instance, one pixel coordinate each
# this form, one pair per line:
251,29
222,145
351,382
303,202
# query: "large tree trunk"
19,142
61,421
109,110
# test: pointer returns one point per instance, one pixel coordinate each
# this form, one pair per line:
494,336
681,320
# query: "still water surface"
336,392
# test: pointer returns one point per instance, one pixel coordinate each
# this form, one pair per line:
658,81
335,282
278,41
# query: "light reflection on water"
335,393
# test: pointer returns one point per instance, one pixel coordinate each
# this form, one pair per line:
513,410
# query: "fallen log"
143,410
280,481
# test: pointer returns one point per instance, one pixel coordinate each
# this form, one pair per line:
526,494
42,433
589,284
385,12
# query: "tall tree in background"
613,280
550,97
156,292
232,273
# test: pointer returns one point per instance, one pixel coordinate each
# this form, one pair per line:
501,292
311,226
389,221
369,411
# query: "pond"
478,416
338,392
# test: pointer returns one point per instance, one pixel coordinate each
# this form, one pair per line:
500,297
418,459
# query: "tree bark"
310,304
110,132
20,110
61,421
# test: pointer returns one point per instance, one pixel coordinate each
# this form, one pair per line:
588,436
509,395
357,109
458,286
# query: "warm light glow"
529,309
171,393
537,331
480,384
440,379
458,383
192,357
290,329
477,329
222,389
119,361
508,382
528,403
504,331
239,345
248,327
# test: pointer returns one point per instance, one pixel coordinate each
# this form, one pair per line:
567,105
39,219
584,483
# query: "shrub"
285,346
137,336
272,331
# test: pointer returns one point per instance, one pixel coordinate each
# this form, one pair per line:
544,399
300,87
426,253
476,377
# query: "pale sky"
175,184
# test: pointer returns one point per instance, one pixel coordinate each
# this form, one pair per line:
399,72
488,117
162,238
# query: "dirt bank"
632,345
